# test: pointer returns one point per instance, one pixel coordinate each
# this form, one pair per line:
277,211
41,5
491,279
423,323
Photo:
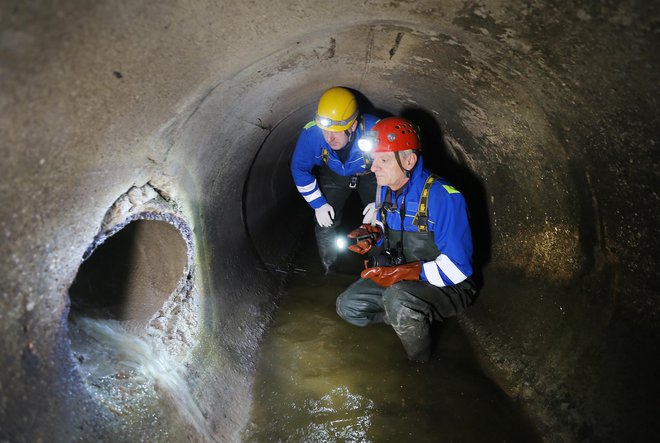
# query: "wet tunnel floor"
320,379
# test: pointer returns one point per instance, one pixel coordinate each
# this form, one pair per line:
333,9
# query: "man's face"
387,170
338,140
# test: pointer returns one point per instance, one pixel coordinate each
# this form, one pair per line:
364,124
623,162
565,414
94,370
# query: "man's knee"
400,307
351,310
360,304
340,304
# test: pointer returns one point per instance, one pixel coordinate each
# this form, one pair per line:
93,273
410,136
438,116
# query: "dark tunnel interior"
146,145
130,275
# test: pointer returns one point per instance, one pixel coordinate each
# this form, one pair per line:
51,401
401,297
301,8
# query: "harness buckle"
420,221
353,183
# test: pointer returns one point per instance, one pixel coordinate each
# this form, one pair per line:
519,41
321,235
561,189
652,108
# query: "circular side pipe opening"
132,274
133,317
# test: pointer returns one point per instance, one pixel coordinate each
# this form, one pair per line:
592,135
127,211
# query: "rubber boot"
415,337
417,348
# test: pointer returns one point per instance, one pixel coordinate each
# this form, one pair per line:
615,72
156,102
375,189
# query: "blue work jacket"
312,150
447,224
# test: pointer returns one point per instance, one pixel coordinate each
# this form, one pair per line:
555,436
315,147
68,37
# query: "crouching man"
422,272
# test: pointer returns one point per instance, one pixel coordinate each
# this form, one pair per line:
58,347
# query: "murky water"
321,379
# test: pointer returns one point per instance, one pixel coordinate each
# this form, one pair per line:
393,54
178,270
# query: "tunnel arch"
534,207
552,107
453,113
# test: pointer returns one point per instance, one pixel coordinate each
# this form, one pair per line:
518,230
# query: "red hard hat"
394,134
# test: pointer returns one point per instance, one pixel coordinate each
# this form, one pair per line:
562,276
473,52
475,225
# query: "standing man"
327,148
422,273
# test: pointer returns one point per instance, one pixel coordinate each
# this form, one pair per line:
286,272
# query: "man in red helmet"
422,271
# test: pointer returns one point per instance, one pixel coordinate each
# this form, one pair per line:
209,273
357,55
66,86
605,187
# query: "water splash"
143,362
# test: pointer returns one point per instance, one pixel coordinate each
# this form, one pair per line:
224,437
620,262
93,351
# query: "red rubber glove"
388,275
363,246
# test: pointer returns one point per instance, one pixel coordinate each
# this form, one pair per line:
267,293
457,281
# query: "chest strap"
422,217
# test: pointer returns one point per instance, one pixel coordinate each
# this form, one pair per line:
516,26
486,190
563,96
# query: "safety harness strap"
422,217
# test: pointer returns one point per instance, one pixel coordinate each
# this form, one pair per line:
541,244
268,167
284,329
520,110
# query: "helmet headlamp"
367,142
325,122
331,125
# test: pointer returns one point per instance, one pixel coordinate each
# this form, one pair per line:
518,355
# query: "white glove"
324,215
369,214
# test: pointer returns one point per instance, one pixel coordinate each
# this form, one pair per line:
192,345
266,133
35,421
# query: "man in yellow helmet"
327,166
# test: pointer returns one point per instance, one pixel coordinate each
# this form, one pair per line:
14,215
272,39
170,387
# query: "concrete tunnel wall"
544,114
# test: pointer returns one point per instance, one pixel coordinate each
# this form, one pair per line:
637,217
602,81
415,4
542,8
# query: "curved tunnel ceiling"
545,115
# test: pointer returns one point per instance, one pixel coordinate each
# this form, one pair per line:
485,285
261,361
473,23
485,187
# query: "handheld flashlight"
372,235
342,243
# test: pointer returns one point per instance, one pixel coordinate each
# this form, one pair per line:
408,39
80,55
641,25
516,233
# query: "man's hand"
369,213
325,215
371,236
388,275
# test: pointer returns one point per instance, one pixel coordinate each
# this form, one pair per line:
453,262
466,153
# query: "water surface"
320,379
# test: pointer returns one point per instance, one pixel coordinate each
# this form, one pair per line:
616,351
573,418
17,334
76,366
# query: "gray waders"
336,190
408,306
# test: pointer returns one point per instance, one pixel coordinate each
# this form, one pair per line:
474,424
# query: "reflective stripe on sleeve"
307,188
450,269
432,273
313,196
447,267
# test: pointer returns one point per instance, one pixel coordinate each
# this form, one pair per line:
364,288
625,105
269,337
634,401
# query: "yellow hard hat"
337,110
